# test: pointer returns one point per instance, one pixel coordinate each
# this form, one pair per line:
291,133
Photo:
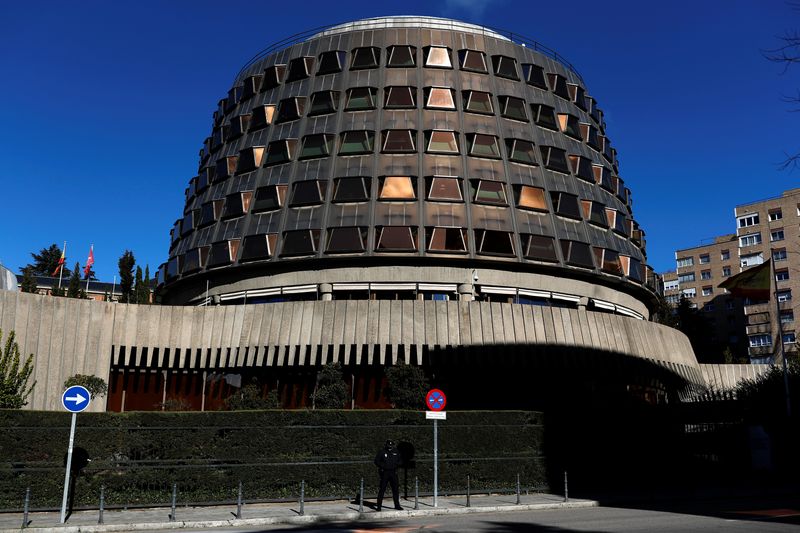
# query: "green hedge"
138,456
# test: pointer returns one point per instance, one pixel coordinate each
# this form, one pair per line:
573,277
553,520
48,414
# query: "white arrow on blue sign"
75,399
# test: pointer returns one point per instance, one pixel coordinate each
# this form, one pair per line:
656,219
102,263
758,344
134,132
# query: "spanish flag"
753,283
60,264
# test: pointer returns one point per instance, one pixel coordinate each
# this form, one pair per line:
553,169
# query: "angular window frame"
299,68
496,197
272,77
391,59
554,158
369,97
365,57
565,204
570,125
250,159
431,93
228,251
290,109
380,235
492,238
434,140
341,194
367,143
262,116
311,148
398,141
538,111
324,64
345,233
444,189
512,108
402,93
534,75
401,184
582,167
442,57
576,253
505,67
311,237
280,152
469,96
323,103
308,192
558,85
543,243
269,198
467,56
444,237
521,151
530,197
475,140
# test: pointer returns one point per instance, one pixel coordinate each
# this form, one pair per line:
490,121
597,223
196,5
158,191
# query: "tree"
330,391
95,385
665,313
126,263
28,283
14,375
74,288
57,291
141,290
250,397
787,54
407,386
46,262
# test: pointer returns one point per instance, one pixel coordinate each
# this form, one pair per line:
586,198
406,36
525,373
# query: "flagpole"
780,335
61,270
113,286
89,267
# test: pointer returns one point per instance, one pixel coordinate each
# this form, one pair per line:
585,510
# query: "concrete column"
466,292
325,292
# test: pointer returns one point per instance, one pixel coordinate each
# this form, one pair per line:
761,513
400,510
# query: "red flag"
752,283
60,261
89,262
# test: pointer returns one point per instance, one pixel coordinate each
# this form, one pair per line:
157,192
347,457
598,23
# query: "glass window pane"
577,253
317,145
446,240
521,151
448,189
269,198
300,68
558,84
440,98
331,62
442,142
273,76
300,242
570,125
323,103
484,146
366,57
513,108
342,240
397,188
532,198
565,204
400,97
478,102
262,116
555,159
534,75
397,238
307,192
280,151
350,190
360,98
399,141
494,242
290,109
356,142
544,116
473,60
540,248
505,67
258,247
402,56
490,192
438,56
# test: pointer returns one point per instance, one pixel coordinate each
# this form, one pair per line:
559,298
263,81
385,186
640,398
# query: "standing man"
387,461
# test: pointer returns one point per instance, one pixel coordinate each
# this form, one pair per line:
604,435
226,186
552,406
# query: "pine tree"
147,284
126,264
28,283
46,262
74,287
140,291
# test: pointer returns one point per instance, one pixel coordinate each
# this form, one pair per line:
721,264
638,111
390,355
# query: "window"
707,291
437,57
224,252
544,116
402,56
308,192
250,86
399,141
446,239
513,108
331,62
565,204
704,259
779,255
787,316
439,98
472,60
441,142
608,260
445,189
356,142
520,151
397,188
316,145
582,167
726,272
632,268
261,116
705,274
300,68
346,239
603,177
616,220
570,125
781,275
281,151
290,109
210,212
708,307
594,212
350,189
530,198
478,102
686,278
505,67
789,338
671,285
360,98
751,259
269,198
747,220
760,340
481,145
258,246
400,97
490,242
749,240
577,95
237,204
187,224
725,255
365,57
554,159
225,167
558,84
396,239
539,248
323,103
776,235
577,253
239,125
195,259
785,296
689,293
250,159
590,136
774,215
273,76
490,192
300,242
534,75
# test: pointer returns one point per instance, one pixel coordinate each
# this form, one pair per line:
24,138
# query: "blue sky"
104,107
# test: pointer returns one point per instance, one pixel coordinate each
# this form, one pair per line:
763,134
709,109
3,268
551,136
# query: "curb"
308,519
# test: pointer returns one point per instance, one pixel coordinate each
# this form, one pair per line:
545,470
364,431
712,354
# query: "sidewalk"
273,513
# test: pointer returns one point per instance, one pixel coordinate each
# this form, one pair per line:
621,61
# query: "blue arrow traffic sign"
75,399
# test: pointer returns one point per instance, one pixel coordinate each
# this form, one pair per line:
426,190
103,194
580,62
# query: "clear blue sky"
104,106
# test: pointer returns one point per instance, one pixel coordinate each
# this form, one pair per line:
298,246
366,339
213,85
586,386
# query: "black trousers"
390,477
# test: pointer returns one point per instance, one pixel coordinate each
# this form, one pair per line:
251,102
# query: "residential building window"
578,95
570,125
785,296
782,275
478,102
582,167
397,188
262,116
558,84
708,291
400,97
437,57
747,220
534,75
441,142
439,98
749,240
331,62
281,151
760,340
356,142
402,56
505,67
300,68
751,259
259,246
272,77
686,278
323,103
671,285
774,215
513,108
351,189
776,235
361,98
725,255
779,255
290,109
704,258
482,145
685,262
789,338
269,198
300,242
689,293
594,212
399,141
726,272
308,192
365,57
705,274
787,316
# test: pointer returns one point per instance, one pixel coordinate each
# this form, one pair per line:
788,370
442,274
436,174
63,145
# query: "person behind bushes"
387,461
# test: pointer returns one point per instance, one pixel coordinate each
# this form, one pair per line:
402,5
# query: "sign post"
435,400
75,399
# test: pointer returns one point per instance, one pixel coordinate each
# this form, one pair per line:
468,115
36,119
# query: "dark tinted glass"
350,190
402,56
396,238
356,142
540,248
307,192
317,145
269,198
360,98
577,253
273,76
570,125
473,60
558,84
207,215
366,57
290,109
494,242
323,103
513,108
534,75
280,151
478,102
565,204
544,116
399,141
300,242
258,247
505,67
578,96
582,167
346,240
446,240
221,253
481,145
490,192
300,68
555,158
233,205
635,269
331,62
521,151
400,97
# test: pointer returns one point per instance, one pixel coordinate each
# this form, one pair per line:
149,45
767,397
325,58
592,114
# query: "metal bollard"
566,487
416,493
468,505
102,503
302,497
361,497
25,508
174,499
239,503
517,489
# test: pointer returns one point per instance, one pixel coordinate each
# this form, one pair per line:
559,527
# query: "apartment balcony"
758,318
759,351
759,328
757,308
